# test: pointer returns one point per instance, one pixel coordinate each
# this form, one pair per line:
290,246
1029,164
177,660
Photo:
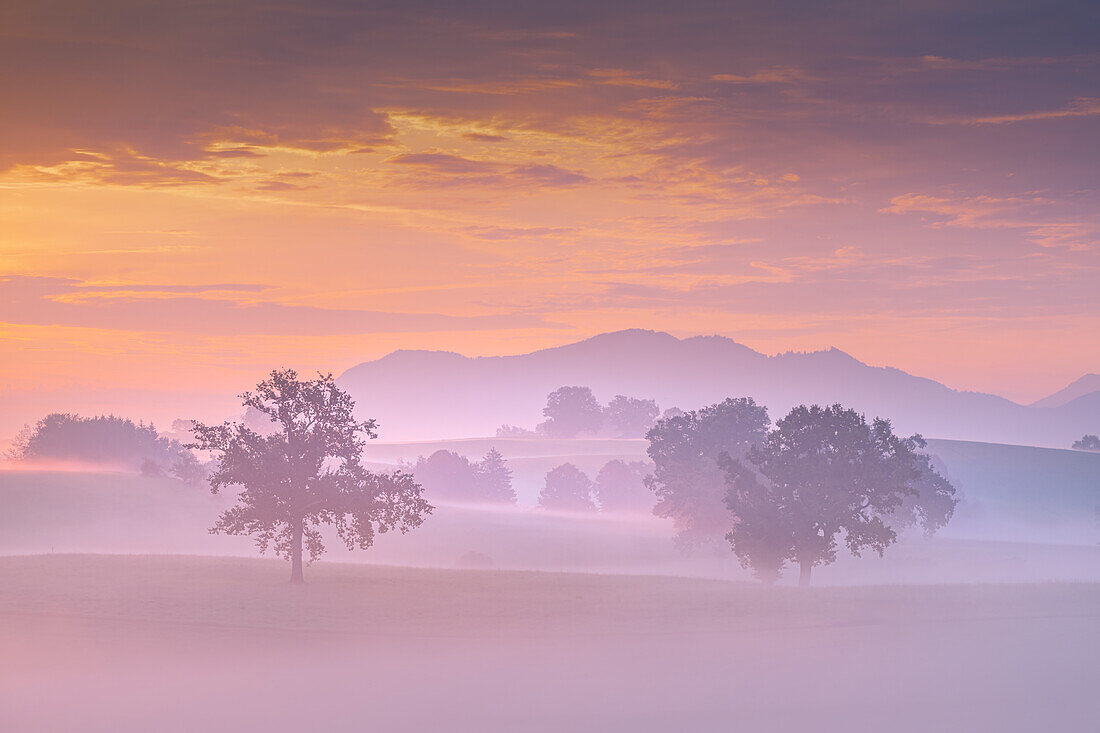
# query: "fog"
509,609
180,644
104,511
121,612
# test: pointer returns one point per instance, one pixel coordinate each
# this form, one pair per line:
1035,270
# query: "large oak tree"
305,471
823,474
689,484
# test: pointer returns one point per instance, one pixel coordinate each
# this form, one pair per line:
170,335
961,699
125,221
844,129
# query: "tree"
446,475
630,417
571,411
567,488
671,412
306,471
620,487
494,478
933,500
188,470
820,473
689,485
513,431
1087,442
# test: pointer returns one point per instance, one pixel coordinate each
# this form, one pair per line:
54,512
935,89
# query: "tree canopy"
620,487
630,417
306,471
571,411
446,476
825,473
689,485
449,476
1087,442
110,440
567,488
494,478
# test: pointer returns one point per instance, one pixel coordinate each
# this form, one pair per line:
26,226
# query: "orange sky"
190,196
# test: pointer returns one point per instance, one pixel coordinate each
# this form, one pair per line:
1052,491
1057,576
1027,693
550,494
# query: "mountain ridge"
1085,385
438,394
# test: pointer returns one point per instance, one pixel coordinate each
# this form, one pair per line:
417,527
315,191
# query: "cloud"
1039,216
1079,107
484,137
704,156
445,169
505,233
51,301
774,75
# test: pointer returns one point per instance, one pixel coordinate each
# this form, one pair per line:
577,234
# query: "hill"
429,394
1023,492
1088,384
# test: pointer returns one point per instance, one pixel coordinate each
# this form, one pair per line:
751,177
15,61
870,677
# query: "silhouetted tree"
189,470
571,411
689,485
306,471
1087,442
934,498
446,475
513,431
820,473
620,487
629,417
180,430
567,488
449,476
102,439
494,478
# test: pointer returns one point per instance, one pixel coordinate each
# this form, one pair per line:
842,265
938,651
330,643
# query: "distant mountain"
1085,385
435,394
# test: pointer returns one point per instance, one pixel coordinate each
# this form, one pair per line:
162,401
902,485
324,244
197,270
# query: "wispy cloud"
66,302
1038,216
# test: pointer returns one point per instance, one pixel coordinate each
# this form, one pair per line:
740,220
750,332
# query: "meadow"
183,643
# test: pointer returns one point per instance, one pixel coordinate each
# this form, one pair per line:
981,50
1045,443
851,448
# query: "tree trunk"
804,568
296,553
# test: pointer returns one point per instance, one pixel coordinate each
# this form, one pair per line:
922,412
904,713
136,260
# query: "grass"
125,643
371,599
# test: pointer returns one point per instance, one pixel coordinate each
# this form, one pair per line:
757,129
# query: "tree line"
777,495
571,412
619,487
107,439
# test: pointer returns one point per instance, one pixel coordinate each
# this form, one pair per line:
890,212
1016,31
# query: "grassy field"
178,643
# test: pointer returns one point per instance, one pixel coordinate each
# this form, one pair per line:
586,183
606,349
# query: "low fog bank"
1009,493
172,644
111,512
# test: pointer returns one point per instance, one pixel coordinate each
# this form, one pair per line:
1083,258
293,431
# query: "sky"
194,193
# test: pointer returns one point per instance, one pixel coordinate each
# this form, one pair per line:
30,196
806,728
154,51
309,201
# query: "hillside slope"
1087,384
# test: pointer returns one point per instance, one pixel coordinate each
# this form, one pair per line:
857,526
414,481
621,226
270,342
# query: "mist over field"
122,612
563,620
